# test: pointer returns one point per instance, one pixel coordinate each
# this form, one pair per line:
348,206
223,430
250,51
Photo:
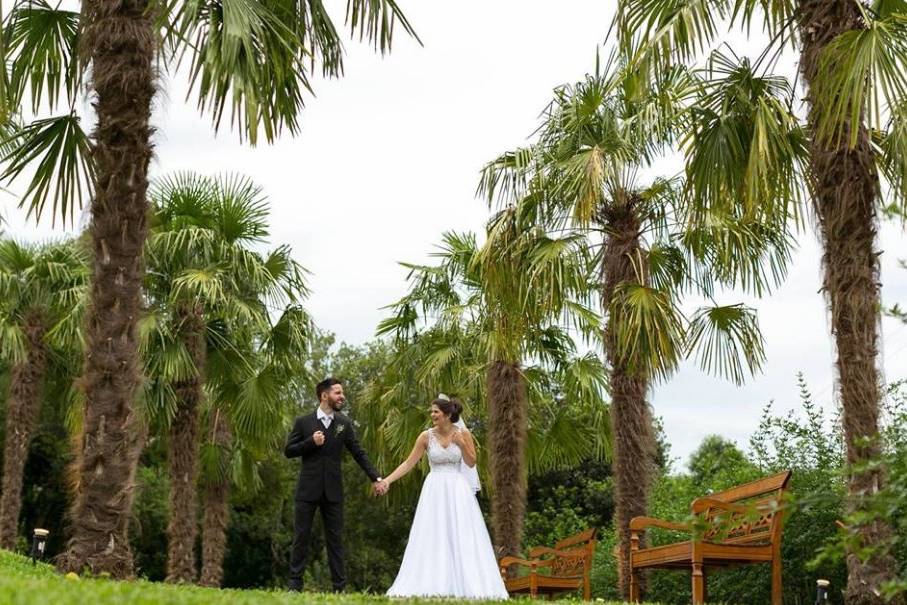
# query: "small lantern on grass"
38,544
822,592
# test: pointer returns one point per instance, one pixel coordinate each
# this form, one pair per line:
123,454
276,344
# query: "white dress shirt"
326,419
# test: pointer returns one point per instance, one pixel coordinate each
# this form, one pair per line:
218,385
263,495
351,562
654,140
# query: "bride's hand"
459,437
380,487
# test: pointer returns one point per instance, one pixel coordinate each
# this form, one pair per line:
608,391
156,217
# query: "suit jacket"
321,475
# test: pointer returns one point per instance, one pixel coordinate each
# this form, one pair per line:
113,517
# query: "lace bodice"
440,458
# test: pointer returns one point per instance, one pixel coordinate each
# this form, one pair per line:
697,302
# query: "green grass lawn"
21,583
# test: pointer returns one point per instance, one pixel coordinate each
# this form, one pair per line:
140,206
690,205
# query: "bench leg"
776,579
634,585
587,579
698,584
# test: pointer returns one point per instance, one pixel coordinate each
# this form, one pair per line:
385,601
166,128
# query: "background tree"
714,454
40,286
254,379
653,247
201,270
457,325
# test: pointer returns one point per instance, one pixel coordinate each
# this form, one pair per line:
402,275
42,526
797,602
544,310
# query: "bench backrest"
763,521
581,539
577,552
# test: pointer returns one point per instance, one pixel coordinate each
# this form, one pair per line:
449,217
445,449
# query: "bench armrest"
641,523
700,505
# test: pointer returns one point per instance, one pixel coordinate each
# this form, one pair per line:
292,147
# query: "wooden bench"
740,525
564,568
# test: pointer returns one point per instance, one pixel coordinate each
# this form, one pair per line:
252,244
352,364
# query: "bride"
449,552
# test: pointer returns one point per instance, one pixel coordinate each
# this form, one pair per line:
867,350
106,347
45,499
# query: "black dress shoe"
294,586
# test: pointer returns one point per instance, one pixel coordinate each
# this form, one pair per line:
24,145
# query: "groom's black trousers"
332,517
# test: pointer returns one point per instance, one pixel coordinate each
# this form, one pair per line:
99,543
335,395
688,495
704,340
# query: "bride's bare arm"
411,461
463,438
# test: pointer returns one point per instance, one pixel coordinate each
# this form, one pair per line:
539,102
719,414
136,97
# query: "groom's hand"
318,438
380,487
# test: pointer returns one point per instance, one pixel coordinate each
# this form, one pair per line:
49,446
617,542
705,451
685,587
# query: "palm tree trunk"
845,193
22,407
633,434
183,455
217,510
120,41
507,425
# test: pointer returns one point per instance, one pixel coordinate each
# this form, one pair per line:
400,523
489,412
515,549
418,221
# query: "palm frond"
257,56
648,329
743,253
255,413
860,72
776,17
667,266
374,21
725,339
42,50
893,156
746,150
245,56
63,172
13,343
241,214
669,29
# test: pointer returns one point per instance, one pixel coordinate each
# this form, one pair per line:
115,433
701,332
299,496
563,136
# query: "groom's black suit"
320,485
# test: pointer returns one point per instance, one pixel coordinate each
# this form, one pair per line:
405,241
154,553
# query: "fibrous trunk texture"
507,424
633,438
23,405
120,42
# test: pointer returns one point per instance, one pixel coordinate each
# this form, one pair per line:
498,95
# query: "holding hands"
380,487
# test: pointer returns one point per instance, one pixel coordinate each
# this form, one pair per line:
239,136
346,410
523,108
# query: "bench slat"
758,487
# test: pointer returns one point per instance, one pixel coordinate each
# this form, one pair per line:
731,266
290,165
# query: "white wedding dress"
449,553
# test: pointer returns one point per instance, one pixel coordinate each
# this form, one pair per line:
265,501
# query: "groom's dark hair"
325,385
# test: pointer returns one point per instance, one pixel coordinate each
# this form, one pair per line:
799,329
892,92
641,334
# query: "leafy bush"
889,504
148,527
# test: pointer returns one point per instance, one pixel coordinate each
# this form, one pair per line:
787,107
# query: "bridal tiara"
443,397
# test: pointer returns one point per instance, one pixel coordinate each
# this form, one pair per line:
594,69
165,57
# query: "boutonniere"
340,428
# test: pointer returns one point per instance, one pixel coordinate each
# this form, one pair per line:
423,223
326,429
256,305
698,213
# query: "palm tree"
476,333
40,286
200,270
253,382
257,54
216,501
653,247
749,147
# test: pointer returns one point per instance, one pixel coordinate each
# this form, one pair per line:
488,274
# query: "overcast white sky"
388,159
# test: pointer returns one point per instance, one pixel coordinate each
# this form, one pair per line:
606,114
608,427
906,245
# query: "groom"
319,438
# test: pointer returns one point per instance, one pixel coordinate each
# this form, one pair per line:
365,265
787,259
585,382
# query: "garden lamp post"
822,592
39,541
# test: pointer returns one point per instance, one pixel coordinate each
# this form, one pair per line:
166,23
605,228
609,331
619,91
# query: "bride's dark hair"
451,407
